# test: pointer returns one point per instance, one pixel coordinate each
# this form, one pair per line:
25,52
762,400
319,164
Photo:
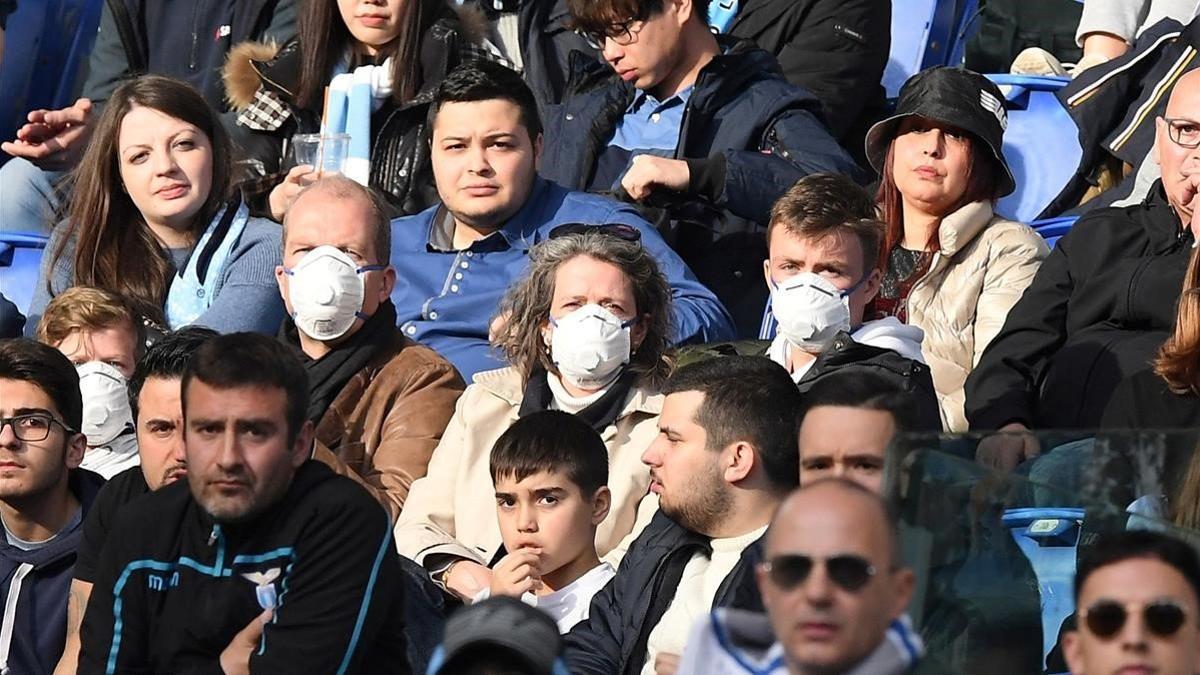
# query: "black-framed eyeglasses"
624,33
850,572
1106,618
1183,132
32,427
618,230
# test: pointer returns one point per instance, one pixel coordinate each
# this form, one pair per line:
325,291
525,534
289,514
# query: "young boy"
550,470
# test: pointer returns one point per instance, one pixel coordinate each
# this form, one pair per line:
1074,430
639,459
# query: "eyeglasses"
619,230
32,427
624,33
850,572
1106,618
1183,132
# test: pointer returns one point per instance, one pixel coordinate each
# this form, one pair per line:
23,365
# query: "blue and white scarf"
194,286
353,96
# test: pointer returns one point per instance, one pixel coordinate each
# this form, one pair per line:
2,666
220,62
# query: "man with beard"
158,421
725,457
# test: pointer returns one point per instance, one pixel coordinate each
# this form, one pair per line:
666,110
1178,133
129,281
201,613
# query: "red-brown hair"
1178,360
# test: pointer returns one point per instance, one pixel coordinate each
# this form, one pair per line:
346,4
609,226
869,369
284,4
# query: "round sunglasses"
849,572
1106,618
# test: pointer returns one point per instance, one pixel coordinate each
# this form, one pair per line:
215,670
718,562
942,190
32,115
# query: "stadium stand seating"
20,258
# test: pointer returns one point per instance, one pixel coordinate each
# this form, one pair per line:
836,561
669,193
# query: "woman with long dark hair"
154,217
402,48
953,267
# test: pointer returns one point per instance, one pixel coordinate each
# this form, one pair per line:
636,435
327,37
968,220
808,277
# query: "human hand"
285,193
54,140
466,578
666,664
235,660
1011,445
517,573
647,172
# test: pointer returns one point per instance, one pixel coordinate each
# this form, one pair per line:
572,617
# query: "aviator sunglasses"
1106,618
849,572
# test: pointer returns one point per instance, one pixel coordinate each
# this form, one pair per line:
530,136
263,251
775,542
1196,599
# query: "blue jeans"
27,197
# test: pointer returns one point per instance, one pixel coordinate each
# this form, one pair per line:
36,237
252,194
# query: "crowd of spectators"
504,391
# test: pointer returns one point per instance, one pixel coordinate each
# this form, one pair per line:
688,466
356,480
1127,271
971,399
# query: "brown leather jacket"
383,426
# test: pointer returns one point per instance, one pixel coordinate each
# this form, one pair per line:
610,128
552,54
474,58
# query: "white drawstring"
10,614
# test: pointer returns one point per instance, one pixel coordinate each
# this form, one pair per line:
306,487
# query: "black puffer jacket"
400,164
1099,308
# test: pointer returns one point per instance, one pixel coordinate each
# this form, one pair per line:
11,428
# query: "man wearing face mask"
99,332
379,401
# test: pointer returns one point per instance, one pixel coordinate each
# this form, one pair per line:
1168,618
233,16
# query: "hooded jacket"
172,591
747,134
33,589
1097,310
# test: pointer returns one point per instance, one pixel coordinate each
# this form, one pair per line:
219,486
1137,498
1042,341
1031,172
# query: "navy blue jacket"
747,134
446,299
612,641
40,619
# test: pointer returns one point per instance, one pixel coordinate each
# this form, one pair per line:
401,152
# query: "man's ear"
872,285
601,503
302,449
76,446
767,272
904,582
740,460
389,282
1073,652
1160,134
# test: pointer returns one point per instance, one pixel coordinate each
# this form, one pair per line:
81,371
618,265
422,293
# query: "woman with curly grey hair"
586,332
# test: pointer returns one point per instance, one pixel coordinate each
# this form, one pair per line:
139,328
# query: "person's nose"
163,162
935,143
478,163
229,455
818,589
178,449
8,436
1134,637
652,456
839,470
611,51
527,518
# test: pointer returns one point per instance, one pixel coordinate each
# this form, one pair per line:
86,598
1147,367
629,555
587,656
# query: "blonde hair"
86,308
1178,360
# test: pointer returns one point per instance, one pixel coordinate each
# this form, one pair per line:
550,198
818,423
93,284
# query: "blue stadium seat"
20,259
1048,537
1041,143
1052,229
922,33
46,43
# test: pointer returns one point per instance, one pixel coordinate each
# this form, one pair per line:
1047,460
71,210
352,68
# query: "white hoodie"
887,333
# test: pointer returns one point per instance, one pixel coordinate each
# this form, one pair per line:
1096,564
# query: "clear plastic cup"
326,153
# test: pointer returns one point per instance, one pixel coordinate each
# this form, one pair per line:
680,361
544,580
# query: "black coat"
612,641
1097,311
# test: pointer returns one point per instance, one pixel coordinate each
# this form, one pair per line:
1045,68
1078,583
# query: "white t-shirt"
698,586
570,604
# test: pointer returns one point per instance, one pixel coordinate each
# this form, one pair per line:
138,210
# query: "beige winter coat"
452,510
983,266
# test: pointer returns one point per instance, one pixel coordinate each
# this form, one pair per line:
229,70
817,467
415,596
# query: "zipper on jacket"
195,36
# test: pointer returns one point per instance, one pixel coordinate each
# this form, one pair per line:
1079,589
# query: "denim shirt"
447,298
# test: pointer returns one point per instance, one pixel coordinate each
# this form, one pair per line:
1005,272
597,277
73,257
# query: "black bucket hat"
956,96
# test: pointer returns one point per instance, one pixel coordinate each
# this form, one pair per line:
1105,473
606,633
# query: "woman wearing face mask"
587,333
953,267
155,218
402,48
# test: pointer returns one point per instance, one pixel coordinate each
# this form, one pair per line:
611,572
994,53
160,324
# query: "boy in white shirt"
550,470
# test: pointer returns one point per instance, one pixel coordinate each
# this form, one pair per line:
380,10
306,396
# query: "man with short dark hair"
272,561
724,460
43,500
460,256
1137,599
701,130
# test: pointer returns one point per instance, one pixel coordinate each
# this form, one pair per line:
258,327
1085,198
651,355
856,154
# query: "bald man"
835,591
1100,306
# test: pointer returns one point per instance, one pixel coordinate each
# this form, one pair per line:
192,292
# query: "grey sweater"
1127,18
247,297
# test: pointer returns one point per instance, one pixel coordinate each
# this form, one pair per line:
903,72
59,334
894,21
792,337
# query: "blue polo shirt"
447,297
649,127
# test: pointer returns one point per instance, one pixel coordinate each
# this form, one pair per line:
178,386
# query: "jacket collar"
85,485
506,384
961,227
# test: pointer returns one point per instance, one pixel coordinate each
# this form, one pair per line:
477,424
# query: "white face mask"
810,310
327,291
589,346
106,412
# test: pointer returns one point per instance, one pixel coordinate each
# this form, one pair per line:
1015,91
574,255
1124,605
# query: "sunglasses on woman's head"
620,231
849,572
1106,618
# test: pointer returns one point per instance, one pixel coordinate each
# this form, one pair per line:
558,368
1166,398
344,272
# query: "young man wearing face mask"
100,334
379,401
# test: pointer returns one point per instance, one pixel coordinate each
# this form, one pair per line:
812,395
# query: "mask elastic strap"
370,268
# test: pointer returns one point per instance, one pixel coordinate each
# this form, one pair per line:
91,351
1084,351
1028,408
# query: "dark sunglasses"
620,231
1106,618
850,572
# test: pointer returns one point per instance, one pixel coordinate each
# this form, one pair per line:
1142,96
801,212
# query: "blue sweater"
247,297
446,299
